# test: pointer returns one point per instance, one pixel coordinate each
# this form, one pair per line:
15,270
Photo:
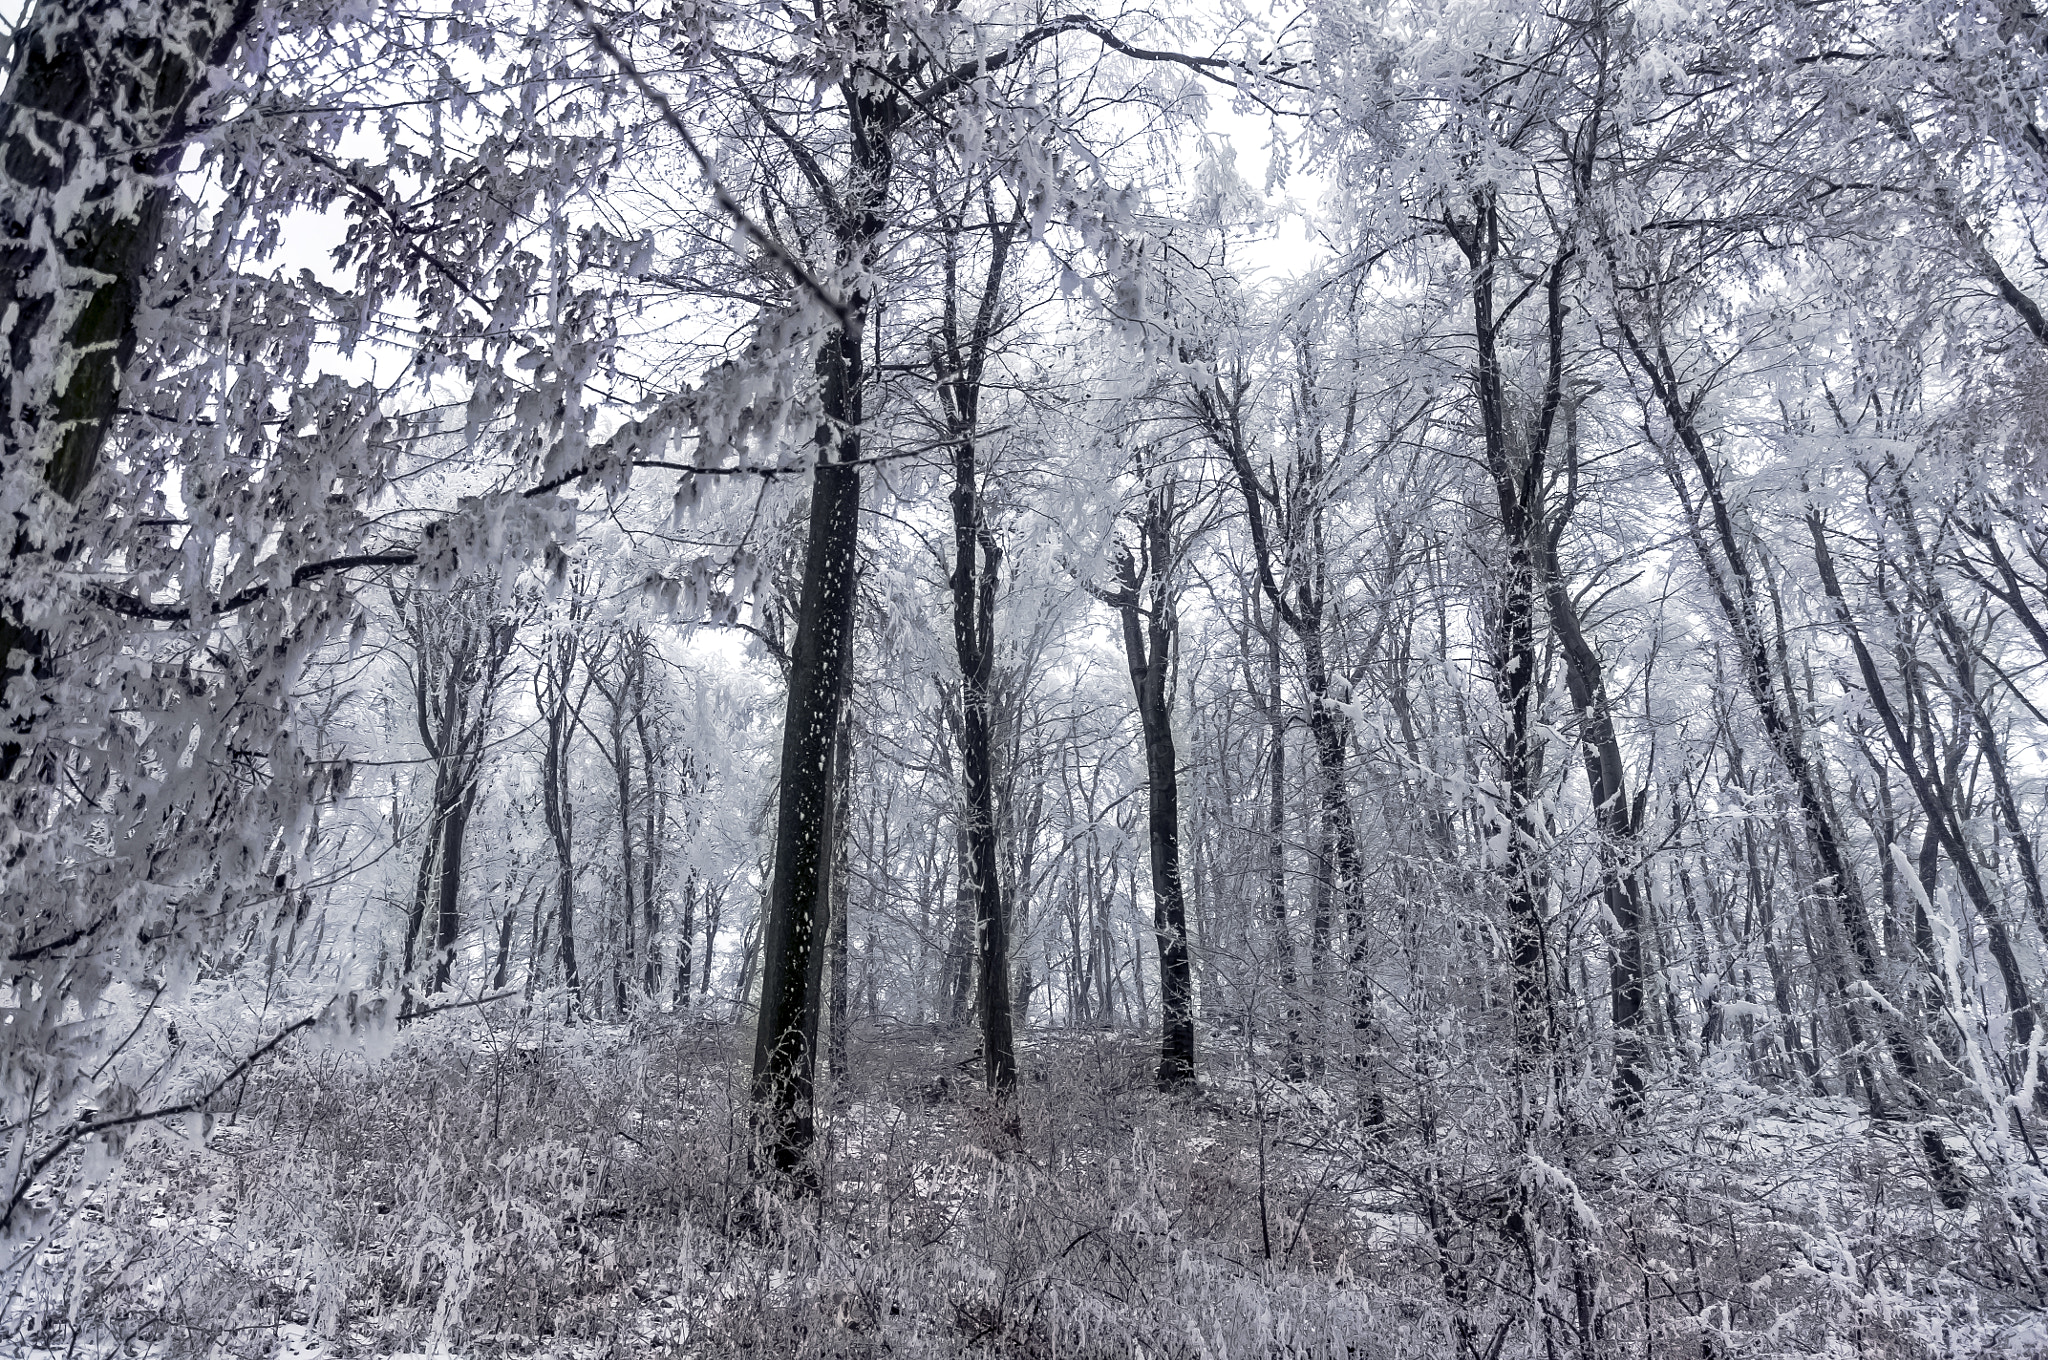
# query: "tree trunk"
448,932
793,958
841,835
1515,461
1616,816
654,818
1276,851
552,680
684,930
1148,647
98,107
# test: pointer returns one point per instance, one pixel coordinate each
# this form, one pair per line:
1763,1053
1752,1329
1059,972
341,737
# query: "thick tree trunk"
425,878
97,110
785,1059
448,917
957,971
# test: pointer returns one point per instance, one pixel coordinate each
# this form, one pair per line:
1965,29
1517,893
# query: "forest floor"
501,1186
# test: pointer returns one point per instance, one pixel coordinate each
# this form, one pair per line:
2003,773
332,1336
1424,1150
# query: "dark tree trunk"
714,903
1276,854
553,679
448,921
958,981
98,107
1515,457
684,930
1144,599
976,582
502,973
459,647
793,956
842,815
654,817
1614,813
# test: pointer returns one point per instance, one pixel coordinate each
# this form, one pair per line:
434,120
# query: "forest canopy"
1360,677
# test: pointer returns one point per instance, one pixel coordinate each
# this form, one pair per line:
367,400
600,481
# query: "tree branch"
760,236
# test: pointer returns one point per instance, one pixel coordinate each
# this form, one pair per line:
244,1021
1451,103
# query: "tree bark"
98,107
976,582
785,1057
1617,817
1515,460
1144,600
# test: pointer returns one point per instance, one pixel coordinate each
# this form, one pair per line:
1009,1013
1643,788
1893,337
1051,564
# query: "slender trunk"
558,805
654,818
1734,590
621,756
501,974
975,581
1760,899
684,930
1148,649
714,902
1616,817
448,932
1276,857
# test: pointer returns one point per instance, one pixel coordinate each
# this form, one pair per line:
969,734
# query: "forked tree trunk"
1144,601
1614,813
976,581
1515,457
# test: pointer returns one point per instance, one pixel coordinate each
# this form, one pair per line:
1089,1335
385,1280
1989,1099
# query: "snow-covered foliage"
1362,679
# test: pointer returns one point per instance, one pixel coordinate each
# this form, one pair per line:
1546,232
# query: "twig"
759,235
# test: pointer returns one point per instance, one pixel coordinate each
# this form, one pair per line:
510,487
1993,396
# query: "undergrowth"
504,1186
